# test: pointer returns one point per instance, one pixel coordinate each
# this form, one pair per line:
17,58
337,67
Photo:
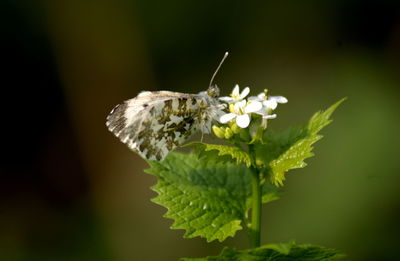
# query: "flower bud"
228,133
235,129
219,131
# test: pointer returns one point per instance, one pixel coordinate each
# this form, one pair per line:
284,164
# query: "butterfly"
155,123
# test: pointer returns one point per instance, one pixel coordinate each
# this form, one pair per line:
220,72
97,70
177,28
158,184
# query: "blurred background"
70,190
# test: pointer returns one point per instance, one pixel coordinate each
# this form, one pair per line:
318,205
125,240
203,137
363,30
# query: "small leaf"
287,150
235,152
206,196
275,252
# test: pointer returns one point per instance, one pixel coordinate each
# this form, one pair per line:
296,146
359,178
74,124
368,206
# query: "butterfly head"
213,91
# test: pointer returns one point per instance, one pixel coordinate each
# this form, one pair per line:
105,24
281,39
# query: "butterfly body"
154,123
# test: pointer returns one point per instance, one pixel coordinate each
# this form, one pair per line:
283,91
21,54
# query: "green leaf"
275,252
287,150
205,195
235,152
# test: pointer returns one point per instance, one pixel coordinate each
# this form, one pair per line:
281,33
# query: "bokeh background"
69,190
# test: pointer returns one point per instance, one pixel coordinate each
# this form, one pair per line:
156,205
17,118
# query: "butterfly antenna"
219,66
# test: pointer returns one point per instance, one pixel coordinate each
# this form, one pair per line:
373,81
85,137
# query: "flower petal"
244,93
279,99
254,98
261,112
253,107
270,104
261,96
269,117
226,117
235,91
243,120
226,99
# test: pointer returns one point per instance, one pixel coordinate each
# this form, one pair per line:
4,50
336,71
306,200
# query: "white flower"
236,96
269,104
240,111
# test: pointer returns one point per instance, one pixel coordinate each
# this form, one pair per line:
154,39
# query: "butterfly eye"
213,91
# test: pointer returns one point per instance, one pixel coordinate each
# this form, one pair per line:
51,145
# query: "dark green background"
71,191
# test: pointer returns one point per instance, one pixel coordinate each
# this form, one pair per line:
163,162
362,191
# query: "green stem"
255,228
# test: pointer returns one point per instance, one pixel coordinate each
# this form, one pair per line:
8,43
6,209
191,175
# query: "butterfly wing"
154,123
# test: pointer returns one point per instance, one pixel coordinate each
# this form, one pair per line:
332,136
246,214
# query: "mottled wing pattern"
154,123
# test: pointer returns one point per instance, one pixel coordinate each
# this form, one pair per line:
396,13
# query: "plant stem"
255,228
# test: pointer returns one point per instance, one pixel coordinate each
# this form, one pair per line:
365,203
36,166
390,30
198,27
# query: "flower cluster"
242,111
